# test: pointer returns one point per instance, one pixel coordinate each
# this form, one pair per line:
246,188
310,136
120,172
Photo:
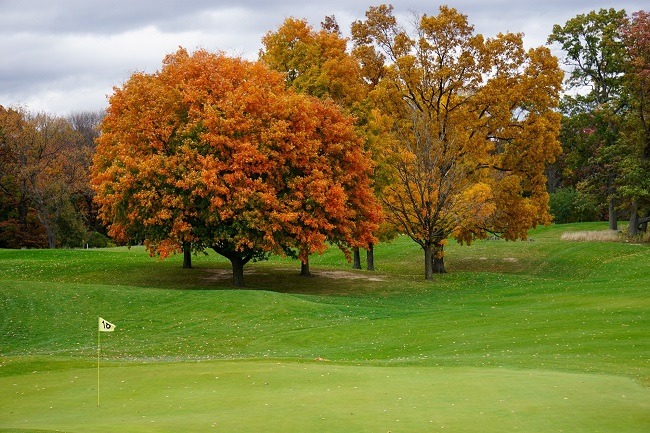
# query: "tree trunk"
439,259
50,229
304,268
24,237
46,218
356,263
51,237
428,262
237,260
23,209
187,256
370,257
643,222
237,270
613,222
633,229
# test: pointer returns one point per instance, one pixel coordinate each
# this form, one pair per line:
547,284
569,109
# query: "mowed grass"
536,336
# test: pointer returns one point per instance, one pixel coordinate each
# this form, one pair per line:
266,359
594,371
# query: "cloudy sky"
63,56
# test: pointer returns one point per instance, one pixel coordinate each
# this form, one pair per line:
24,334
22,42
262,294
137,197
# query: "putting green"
269,396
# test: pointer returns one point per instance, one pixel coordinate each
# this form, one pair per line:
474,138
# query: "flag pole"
103,326
98,352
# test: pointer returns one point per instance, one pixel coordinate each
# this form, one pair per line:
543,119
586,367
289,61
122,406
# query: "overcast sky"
63,56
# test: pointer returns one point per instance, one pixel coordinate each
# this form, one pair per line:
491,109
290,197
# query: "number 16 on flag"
106,326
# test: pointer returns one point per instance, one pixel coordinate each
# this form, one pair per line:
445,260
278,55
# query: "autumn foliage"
43,181
318,62
215,152
470,126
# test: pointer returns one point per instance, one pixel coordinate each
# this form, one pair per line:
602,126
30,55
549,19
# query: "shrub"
98,240
14,235
569,205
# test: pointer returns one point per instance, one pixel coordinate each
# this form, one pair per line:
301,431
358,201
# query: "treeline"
45,195
454,134
604,170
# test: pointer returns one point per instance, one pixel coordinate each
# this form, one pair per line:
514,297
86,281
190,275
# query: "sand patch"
225,274
340,275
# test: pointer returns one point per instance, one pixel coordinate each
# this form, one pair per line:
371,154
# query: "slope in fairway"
250,396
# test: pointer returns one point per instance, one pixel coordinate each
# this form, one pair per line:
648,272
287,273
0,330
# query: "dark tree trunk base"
356,262
439,265
187,257
613,218
304,269
237,260
237,271
370,257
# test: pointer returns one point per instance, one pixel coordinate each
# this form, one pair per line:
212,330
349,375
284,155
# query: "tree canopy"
423,128
216,152
635,182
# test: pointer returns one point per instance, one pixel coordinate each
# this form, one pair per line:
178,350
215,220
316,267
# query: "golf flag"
106,326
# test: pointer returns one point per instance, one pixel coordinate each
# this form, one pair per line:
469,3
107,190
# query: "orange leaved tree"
215,152
472,126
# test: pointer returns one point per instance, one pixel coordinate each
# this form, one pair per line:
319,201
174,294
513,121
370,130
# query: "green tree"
595,58
635,181
570,205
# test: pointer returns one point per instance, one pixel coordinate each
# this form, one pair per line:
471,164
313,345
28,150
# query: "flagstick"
98,352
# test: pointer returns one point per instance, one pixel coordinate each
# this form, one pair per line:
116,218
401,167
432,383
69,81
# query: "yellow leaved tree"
471,123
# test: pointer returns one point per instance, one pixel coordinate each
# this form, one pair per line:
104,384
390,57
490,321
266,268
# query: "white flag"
106,326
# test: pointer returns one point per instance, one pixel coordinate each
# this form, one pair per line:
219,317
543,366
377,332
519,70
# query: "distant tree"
215,152
595,57
472,123
569,205
86,123
635,178
44,168
56,172
18,227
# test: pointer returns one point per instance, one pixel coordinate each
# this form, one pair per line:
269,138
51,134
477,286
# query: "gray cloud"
66,55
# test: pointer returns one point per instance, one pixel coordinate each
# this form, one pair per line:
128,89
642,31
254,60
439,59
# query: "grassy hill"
542,335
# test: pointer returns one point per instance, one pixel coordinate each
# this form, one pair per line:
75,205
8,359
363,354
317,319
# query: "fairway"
538,336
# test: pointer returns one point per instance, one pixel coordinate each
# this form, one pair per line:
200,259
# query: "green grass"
536,336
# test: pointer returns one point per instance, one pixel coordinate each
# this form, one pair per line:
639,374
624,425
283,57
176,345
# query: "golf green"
255,396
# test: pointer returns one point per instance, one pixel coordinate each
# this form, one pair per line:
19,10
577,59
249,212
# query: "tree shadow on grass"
288,280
